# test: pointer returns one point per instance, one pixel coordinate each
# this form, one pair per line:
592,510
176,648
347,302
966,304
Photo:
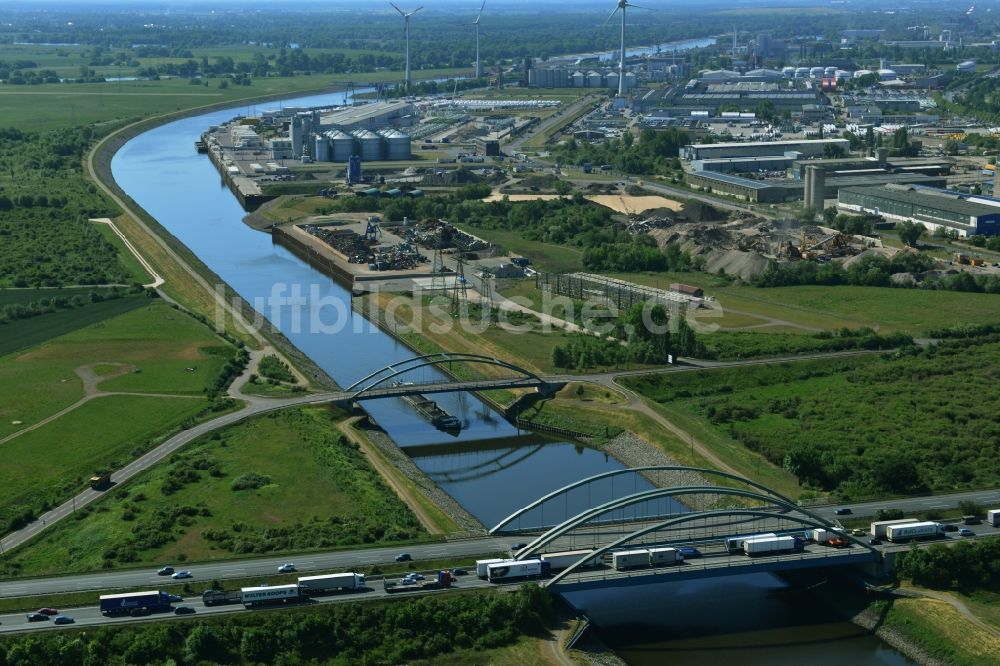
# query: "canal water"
490,468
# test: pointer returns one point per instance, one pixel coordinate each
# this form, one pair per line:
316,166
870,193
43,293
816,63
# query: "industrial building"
561,77
967,215
729,89
370,117
779,190
368,131
805,147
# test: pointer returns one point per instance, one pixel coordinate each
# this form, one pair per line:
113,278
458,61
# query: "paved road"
463,548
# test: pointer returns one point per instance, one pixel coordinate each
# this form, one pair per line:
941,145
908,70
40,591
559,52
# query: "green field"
544,256
319,492
862,426
155,339
125,257
47,465
24,296
24,333
53,105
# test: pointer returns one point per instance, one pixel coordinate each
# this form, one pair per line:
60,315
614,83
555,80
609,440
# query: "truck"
100,480
563,560
819,535
347,582
588,167
627,559
659,556
481,566
735,544
270,594
912,530
993,517
113,605
516,569
769,545
443,580
221,597
878,528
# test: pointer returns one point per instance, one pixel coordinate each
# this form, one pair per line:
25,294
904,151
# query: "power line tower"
486,288
438,284
460,292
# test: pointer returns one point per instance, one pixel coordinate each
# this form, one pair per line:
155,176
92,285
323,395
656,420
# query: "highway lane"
348,559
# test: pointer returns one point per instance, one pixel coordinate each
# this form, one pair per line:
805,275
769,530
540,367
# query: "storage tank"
801,72
629,80
862,72
561,78
321,149
578,79
296,135
341,146
397,145
532,79
887,75
369,144
842,74
612,80
594,79
788,72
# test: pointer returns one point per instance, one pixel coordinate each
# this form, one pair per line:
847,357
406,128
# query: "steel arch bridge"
772,506
393,371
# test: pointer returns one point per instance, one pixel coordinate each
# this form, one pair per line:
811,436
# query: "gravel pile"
634,451
441,499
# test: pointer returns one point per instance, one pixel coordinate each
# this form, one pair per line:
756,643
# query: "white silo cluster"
383,144
557,77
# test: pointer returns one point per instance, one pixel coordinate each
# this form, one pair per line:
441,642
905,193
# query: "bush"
250,481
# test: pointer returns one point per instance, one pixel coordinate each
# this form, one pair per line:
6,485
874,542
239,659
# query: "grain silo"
788,72
397,144
321,153
830,71
341,145
594,79
578,79
612,80
370,145
802,72
815,188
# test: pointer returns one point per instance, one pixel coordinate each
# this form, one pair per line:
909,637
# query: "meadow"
284,482
869,426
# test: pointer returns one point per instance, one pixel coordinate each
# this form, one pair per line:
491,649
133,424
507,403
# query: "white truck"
267,594
331,582
626,559
515,569
775,544
566,558
664,556
819,535
912,530
878,528
993,517
735,544
481,566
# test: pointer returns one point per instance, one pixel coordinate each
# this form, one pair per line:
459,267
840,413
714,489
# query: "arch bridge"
706,521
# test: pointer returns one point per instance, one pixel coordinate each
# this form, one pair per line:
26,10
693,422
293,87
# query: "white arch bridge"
679,507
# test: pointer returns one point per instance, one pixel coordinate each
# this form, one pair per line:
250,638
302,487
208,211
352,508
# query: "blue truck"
124,604
587,167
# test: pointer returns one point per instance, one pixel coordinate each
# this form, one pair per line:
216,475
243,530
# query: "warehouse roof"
929,197
793,142
360,114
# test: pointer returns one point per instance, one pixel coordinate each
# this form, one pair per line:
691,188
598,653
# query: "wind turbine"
622,4
479,70
406,28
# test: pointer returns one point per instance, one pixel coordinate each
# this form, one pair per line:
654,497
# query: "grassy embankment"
937,629
286,482
153,349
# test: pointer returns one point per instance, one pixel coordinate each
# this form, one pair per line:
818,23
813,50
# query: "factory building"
824,186
967,215
806,147
745,164
373,116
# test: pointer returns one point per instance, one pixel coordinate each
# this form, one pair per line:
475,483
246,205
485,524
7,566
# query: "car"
843,512
165,571
175,598
857,532
459,572
142,611
403,557
288,567
874,542
181,574
518,546
965,531
64,619
183,610
415,576
951,527
688,552
37,617
48,611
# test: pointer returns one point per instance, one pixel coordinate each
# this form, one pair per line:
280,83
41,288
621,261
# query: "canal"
487,467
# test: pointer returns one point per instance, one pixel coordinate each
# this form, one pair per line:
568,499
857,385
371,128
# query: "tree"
910,232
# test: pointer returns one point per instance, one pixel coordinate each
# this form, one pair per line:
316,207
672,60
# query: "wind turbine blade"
398,9
615,11
481,11
415,11
641,7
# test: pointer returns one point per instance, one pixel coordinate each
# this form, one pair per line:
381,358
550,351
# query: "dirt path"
388,475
